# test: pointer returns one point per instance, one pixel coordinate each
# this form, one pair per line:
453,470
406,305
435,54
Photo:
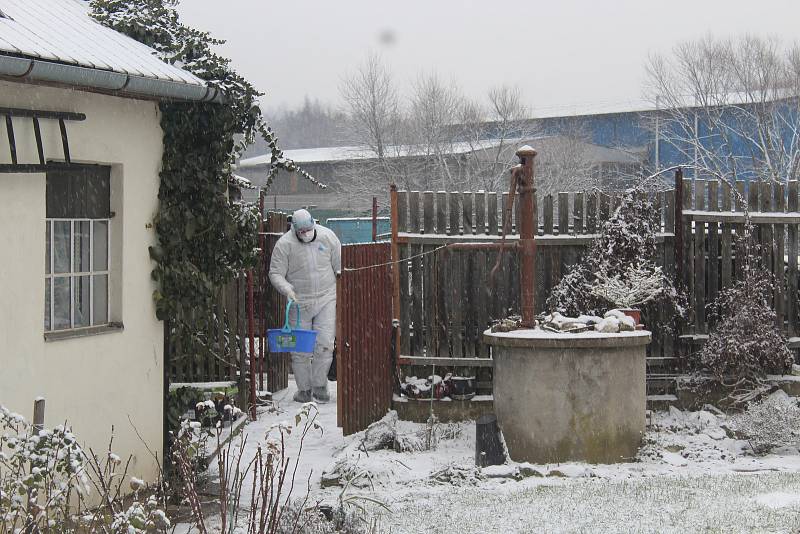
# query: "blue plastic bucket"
288,339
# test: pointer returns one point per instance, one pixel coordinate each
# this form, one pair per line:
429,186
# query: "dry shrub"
745,344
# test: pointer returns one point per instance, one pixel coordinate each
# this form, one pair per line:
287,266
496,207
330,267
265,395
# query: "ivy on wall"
204,239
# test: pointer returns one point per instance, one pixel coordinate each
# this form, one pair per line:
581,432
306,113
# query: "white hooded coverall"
310,269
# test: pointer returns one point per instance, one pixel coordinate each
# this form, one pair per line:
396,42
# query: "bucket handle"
286,326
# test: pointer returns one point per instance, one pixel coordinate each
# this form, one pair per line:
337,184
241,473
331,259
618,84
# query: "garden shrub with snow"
49,484
769,423
744,344
618,269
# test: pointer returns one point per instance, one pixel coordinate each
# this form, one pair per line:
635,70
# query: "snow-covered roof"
587,109
62,31
241,182
349,153
592,108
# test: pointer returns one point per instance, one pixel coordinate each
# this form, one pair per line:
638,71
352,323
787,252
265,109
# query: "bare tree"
372,102
493,133
434,110
730,106
565,164
375,123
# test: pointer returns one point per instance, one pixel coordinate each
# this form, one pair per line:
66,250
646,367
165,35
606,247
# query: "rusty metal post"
395,214
678,229
262,292
527,233
250,336
374,219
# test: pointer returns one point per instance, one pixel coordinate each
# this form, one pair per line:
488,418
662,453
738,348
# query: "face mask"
306,237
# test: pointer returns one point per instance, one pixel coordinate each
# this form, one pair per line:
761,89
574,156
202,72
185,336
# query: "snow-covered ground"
690,476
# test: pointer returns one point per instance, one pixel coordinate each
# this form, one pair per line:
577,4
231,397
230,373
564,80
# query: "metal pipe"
116,83
250,320
527,233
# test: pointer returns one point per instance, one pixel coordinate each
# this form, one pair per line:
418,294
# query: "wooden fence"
225,343
445,299
221,334
713,216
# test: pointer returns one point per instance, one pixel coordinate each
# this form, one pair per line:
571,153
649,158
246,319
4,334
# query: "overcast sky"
561,53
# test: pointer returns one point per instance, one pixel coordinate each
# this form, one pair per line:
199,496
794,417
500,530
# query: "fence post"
252,346
38,414
241,333
678,226
374,219
395,213
262,243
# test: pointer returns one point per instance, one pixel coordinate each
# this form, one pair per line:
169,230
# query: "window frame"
72,274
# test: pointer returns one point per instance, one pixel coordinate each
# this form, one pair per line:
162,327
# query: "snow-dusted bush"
273,507
49,484
39,470
637,285
745,344
771,422
619,262
300,519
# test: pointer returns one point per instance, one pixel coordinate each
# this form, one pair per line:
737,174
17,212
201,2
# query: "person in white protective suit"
305,263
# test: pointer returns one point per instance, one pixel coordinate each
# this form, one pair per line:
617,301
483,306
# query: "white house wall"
96,382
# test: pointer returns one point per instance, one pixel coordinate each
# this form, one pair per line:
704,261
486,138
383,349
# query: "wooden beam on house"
36,115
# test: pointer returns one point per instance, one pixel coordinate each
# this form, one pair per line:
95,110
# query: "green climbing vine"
204,239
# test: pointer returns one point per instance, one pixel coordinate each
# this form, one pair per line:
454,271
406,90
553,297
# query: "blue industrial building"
731,139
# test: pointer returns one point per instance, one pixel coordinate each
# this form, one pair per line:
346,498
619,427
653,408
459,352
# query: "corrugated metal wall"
364,331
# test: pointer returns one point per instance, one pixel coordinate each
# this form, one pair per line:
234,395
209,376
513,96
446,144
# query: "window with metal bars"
77,248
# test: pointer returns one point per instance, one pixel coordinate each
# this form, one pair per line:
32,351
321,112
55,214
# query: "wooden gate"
269,310
363,336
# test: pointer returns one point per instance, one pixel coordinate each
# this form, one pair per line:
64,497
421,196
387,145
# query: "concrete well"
562,397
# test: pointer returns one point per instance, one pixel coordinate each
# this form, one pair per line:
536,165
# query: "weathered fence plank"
779,205
468,220
741,205
548,214
699,259
455,213
713,242
413,212
563,213
577,222
591,212
480,212
792,286
428,221
491,214
725,237
441,212
402,211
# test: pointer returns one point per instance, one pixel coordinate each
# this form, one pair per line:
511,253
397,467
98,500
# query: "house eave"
23,69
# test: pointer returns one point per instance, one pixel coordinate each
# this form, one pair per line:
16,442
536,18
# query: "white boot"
321,394
302,396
